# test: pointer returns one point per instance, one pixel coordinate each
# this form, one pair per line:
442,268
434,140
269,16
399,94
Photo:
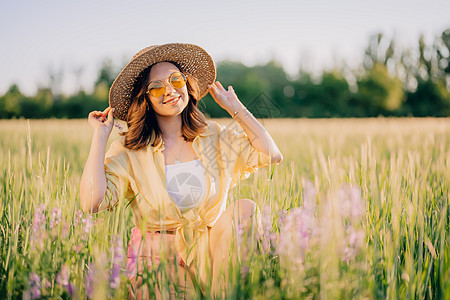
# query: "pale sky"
40,36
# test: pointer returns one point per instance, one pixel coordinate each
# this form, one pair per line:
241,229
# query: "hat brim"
192,59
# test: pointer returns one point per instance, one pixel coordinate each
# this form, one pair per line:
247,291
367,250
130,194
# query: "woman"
172,165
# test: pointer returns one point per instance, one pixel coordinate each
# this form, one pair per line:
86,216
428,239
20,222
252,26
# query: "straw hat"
192,59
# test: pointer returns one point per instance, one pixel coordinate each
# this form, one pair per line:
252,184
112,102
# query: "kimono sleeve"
248,159
116,162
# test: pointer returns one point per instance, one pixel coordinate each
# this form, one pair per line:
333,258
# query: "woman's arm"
257,134
93,180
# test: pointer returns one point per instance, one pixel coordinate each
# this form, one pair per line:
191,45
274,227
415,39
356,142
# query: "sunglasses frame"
185,76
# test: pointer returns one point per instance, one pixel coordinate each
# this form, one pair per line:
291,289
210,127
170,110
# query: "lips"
175,98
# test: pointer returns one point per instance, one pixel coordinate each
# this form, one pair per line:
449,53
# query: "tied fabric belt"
166,232
192,243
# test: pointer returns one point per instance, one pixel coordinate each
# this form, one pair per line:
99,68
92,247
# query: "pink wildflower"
117,251
90,274
297,229
244,272
55,217
78,216
267,237
63,276
350,202
354,242
35,286
38,226
118,126
309,196
87,221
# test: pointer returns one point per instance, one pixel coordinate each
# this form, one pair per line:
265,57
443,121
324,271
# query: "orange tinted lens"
156,89
177,80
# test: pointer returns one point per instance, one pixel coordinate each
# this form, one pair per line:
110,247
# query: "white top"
186,184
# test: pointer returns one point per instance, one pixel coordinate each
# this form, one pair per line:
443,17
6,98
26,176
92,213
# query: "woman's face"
161,105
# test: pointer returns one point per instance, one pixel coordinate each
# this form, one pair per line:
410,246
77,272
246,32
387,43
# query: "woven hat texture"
193,60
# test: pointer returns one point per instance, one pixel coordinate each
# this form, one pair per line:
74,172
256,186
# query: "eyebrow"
162,79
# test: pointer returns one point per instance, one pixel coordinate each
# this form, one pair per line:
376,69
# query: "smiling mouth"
173,100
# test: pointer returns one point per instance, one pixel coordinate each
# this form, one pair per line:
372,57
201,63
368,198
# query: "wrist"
101,134
241,113
239,108
235,105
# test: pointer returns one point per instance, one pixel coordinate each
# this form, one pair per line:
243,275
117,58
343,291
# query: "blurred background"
317,59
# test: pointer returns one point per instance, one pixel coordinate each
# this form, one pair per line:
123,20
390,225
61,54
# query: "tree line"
391,81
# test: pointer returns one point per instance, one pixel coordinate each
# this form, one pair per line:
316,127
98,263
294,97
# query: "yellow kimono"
226,156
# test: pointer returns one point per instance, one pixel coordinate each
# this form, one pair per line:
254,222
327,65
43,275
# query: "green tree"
431,96
10,102
430,99
106,74
246,82
378,93
327,98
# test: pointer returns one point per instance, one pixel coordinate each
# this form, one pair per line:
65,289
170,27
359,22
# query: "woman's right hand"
102,120
93,182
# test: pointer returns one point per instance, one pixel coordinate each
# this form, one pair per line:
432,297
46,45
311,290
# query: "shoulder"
221,129
118,143
212,129
117,147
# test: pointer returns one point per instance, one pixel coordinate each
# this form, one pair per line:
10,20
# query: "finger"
106,111
214,90
95,114
110,117
220,86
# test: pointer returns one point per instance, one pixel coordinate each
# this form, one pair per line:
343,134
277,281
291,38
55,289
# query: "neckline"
186,162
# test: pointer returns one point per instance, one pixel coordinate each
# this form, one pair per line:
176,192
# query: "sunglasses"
157,88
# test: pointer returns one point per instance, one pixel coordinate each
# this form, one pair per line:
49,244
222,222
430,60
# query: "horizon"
76,37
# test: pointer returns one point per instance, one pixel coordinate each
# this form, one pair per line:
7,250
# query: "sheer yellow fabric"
139,177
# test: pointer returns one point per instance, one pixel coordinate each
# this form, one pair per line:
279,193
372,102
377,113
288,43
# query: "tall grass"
357,209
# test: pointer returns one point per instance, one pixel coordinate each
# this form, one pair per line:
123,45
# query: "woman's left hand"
226,99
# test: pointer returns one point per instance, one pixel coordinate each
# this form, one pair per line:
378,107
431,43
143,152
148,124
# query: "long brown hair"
143,127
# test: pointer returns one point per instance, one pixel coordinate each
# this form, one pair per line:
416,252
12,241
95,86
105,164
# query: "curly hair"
143,128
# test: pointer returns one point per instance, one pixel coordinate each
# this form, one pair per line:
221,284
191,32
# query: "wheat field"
358,209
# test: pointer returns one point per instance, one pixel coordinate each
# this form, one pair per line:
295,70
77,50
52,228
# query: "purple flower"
89,280
240,233
309,196
266,224
354,242
63,279
244,272
117,252
55,217
46,284
78,216
38,218
87,221
118,126
63,276
356,238
35,286
282,215
65,230
38,225
351,203
296,230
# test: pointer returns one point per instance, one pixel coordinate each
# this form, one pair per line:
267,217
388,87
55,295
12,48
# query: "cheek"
154,102
186,94
155,106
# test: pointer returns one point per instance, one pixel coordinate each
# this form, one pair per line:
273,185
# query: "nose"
169,89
